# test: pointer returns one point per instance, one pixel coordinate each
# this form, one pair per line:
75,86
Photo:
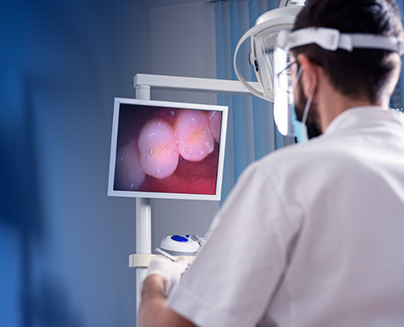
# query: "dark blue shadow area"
19,190
51,307
64,244
46,304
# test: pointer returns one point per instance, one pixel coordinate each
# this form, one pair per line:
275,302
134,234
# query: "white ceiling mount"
263,39
287,3
277,19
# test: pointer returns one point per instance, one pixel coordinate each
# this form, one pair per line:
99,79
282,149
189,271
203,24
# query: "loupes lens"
285,77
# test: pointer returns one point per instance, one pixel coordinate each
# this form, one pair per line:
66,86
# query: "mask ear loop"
310,98
299,74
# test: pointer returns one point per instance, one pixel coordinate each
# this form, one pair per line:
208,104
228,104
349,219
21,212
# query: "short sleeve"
235,275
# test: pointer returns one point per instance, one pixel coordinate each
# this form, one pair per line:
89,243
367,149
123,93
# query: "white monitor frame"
174,105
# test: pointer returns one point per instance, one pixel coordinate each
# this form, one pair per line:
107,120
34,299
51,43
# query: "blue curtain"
251,130
401,6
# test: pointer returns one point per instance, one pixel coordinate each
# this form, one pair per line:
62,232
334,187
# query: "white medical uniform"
312,235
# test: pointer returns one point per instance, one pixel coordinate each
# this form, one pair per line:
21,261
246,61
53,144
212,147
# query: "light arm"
153,311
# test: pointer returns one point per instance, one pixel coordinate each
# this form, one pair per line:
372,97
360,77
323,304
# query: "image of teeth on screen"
169,150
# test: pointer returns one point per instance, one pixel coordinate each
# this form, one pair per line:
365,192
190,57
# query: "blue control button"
179,238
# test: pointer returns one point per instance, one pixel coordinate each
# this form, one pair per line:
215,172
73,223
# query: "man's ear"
309,73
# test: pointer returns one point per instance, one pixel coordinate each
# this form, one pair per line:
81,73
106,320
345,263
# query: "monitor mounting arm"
143,84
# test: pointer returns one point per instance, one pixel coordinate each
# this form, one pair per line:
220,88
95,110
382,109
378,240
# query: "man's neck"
332,104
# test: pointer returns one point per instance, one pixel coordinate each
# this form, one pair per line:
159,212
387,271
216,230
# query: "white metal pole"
143,240
190,84
143,92
143,217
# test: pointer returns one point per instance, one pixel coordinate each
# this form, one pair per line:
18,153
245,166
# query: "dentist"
313,234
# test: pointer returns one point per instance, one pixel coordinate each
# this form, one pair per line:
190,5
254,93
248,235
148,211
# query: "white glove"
170,271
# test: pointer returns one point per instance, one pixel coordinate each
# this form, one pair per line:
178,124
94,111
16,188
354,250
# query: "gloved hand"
170,271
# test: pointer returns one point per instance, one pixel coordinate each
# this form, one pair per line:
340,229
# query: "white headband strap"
332,39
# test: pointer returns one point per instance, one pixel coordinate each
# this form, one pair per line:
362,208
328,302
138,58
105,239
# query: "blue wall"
64,244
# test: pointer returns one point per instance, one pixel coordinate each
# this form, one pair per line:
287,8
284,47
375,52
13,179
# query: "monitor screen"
167,150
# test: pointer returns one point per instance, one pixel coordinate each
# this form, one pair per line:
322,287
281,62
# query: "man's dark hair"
362,73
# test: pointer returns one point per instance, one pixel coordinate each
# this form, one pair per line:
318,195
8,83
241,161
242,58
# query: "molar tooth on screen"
192,130
158,151
129,173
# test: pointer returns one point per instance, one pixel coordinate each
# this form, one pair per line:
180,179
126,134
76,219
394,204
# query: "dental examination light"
262,56
263,41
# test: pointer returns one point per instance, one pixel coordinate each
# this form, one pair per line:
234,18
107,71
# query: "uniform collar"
360,117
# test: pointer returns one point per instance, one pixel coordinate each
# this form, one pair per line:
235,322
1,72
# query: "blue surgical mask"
299,128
